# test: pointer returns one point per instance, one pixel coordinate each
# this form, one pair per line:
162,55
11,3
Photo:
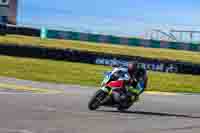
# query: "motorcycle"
105,96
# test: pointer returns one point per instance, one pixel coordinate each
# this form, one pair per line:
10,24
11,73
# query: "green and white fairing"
105,81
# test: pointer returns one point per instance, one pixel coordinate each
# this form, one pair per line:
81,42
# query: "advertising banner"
99,58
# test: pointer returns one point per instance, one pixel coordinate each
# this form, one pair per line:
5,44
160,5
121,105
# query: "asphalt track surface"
67,112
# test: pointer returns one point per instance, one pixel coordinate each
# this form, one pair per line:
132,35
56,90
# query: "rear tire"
130,103
96,100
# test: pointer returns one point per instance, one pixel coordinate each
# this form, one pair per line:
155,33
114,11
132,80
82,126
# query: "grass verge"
87,74
104,48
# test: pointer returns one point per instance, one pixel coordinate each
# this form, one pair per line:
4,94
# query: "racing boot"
137,98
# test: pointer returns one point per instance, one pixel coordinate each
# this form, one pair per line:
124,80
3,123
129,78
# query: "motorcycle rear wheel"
96,100
127,106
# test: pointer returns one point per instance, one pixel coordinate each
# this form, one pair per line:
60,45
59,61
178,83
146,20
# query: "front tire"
96,100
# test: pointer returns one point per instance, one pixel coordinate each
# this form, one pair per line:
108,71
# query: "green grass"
86,74
105,48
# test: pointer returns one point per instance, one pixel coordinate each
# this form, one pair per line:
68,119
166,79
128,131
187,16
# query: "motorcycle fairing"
116,84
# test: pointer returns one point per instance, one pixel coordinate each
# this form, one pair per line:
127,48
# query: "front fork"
109,93
107,90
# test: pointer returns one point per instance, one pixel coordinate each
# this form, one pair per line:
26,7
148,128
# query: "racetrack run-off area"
64,112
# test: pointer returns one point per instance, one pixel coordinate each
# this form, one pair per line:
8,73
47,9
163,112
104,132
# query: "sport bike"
106,95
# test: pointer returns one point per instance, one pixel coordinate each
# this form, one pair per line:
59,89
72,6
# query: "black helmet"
132,66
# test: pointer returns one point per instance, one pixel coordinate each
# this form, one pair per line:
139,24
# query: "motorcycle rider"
135,78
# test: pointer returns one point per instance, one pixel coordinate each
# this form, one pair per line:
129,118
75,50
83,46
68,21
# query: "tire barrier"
98,58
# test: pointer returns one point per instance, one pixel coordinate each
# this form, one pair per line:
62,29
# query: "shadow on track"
153,114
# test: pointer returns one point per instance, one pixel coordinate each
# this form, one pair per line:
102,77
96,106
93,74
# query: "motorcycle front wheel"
96,100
